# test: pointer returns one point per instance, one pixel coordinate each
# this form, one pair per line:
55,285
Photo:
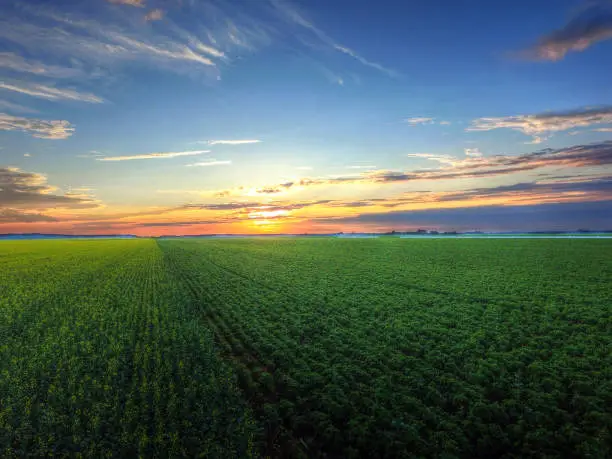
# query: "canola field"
306,347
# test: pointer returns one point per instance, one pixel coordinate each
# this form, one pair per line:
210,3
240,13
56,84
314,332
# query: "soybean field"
306,347
101,355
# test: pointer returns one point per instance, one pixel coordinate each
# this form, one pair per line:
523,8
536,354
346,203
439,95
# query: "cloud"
42,129
591,192
91,154
591,155
241,211
592,26
210,163
15,216
171,224
419,120
51,93
180,52
443,159
230,142
224,206
570,189
16,63
541,217
374,65
576,189
45,33
208,49
6,105
30,190
195,38
361,167
545,123
137,3
573,189
292,15
275,189
445,123
152,155
474,152
606,129
536,140
154,15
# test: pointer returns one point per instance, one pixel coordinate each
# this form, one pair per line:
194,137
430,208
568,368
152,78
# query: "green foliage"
413,348
343,348
102,356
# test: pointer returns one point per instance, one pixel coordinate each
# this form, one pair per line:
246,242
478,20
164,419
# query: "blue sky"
126,113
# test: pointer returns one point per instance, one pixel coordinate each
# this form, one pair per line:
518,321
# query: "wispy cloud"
45,33
443,159
605,129
6,105
591,155
210,163
195,38
180,52
364,61
543,124
42,129
498,217
91,154
591,26
152,155
229,142
576,189
419,120
291,14
207,49
361,167
586,189
580,189
154,15
51,93
16,63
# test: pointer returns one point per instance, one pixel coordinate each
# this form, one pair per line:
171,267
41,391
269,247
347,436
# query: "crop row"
100,356
395,349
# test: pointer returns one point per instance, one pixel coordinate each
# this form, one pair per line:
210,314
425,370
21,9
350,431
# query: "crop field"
299,347
101,356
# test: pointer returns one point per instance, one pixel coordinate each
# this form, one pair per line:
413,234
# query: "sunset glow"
232,132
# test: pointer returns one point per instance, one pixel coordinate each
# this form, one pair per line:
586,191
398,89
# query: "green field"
298,347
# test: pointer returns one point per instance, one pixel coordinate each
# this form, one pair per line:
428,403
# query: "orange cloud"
473,166
303,216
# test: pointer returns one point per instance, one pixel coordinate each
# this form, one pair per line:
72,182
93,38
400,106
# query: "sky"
160,117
